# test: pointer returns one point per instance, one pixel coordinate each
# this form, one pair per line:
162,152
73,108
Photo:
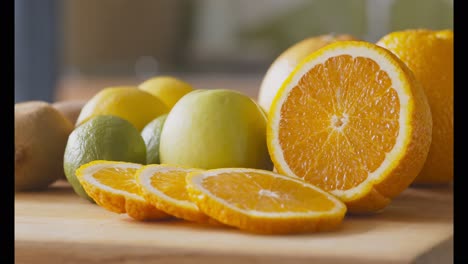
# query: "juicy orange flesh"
118,178
339,121
266,193
171,183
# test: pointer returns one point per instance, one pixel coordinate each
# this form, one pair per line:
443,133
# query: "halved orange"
164,187
263,201
112,185
351,119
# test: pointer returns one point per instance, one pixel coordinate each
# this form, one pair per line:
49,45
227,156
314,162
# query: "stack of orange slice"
254,200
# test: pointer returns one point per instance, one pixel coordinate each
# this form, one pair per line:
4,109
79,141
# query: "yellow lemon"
167,89
132,104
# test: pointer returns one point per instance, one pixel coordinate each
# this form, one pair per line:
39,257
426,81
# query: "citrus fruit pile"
341,126
164,120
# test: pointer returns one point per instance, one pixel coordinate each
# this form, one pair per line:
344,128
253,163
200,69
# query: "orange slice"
164,187
351,119
263,201
112,185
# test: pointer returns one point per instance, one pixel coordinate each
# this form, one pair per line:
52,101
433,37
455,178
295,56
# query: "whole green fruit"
215,129
103,137
151,135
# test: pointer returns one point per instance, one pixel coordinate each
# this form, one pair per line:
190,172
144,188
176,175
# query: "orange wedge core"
266,194
336,128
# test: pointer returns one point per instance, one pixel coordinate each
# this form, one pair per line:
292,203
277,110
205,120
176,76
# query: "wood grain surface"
56,226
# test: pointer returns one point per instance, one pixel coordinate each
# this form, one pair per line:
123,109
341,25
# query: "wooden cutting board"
55,226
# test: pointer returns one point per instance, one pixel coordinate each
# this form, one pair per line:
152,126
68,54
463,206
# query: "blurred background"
70,49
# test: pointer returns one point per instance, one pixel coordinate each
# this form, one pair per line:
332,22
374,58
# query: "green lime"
210,129
151,135
130,103
103,137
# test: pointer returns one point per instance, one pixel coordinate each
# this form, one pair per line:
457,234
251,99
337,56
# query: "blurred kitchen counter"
83,88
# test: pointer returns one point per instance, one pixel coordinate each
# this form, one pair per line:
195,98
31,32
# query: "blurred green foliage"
311,18
316,17
432,14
